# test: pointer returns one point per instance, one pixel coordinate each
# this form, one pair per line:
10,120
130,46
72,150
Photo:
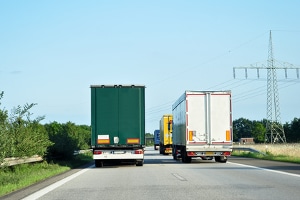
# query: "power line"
275,131
173,74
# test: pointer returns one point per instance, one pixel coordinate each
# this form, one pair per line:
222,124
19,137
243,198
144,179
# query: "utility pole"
274,129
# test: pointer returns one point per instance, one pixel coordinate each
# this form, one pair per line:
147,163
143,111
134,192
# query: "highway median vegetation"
21,176
22,137
285,152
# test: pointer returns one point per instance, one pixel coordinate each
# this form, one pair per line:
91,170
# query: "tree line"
21,136
245,128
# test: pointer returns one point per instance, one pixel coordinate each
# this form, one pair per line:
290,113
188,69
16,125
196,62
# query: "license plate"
209,153
119,152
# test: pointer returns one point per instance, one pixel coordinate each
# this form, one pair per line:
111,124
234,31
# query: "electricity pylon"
274,129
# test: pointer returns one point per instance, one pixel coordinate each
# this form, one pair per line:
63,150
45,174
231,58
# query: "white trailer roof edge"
183,96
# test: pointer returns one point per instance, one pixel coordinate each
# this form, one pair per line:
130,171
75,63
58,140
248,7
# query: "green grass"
268,156
20,176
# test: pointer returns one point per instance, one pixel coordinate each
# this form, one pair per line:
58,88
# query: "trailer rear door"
208,117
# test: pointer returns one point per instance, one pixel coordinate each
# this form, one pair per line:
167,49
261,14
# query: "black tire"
188,159
98,163
139,163
185,158
161,149
174,153
221,159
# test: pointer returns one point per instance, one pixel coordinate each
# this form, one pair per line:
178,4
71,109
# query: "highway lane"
161,177
266,164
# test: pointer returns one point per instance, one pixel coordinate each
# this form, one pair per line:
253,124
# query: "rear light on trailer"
227,153
139,151
97,152
191,153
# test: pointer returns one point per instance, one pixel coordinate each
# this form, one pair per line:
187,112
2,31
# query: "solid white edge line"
265,169
53,186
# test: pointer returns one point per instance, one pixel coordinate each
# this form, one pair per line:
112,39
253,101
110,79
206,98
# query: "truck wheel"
188,159
174,153
98,163
139,163
162,150
185,158
221,159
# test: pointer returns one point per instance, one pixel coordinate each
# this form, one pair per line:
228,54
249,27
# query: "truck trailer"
202,126
165,144
156,139
118,123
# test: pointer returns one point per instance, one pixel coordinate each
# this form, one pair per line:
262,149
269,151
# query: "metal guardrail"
247,149
36,158
18,161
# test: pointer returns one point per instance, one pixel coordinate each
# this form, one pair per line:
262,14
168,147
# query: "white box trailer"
202,126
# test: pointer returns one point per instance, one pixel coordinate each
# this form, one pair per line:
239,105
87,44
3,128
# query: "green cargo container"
118,122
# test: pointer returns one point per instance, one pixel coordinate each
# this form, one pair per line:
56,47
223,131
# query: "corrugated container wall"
118,111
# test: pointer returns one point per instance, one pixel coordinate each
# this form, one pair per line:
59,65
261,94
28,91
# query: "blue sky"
52,51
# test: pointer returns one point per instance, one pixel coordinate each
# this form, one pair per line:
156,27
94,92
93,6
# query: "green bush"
22,137
19,135
67,138
64,144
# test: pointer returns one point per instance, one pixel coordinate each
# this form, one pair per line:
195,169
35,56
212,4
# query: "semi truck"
165,126
156,139
202,126
118,123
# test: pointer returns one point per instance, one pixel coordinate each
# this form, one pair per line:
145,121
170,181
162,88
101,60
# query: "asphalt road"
161,177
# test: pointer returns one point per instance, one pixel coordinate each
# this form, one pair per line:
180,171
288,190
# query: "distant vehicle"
202,126
118,123
156,139
165,144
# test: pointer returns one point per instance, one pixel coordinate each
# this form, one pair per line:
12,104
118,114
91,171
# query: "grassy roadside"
268,156
275,152
21,176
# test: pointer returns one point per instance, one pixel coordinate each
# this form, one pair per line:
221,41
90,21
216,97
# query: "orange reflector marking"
133,140
103,141
190,135
228,135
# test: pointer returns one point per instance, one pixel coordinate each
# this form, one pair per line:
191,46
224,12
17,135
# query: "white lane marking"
49,188
179,177
265,169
